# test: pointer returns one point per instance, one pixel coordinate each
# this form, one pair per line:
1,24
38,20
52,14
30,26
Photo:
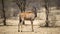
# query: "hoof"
32,30
18,30
21,31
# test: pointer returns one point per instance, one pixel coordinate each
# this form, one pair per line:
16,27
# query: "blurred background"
9,11
48,14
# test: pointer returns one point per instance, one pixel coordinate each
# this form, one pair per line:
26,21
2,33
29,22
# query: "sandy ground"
27,30
13,29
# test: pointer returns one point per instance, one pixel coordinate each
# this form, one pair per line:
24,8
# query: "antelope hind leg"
32,26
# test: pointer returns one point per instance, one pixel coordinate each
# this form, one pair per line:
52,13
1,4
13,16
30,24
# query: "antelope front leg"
32,26
21,24
19,27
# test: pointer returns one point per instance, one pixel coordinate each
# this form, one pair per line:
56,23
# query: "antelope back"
27,15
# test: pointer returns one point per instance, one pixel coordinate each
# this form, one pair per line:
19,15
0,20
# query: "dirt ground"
27,30
13,29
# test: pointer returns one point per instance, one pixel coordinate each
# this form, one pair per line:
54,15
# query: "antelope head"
34,11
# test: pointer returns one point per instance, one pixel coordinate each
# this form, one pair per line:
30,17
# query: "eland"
27,15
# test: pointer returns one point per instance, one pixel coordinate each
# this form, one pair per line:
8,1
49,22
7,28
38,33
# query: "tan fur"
26,16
